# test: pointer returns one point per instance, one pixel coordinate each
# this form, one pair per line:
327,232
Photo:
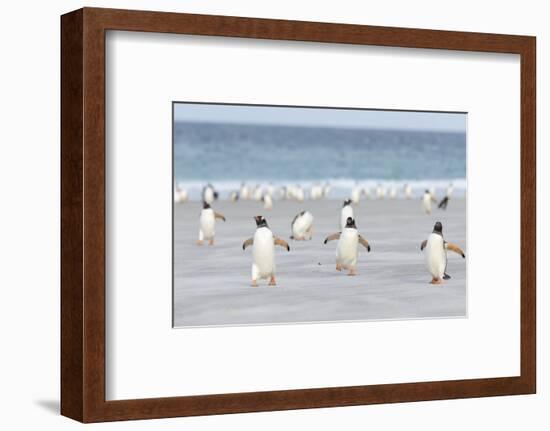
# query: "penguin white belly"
302,225
258,194
268,202
208,195
436,256
346,212
427,203
263,253
207,223
316,192
346,251
244,192
355,195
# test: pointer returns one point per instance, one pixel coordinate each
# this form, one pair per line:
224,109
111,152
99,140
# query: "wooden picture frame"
83,214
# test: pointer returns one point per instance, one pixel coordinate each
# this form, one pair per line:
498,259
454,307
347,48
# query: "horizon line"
309,126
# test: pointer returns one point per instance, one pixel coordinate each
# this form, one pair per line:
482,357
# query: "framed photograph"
266,215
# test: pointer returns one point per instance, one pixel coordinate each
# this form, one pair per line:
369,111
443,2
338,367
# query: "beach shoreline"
212,283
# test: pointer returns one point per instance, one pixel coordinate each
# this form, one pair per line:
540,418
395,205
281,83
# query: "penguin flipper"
455,248
423,245
446,276
332,237
219,215
282,243
364,243
248,242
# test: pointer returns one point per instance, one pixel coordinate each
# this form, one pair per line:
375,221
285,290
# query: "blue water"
228,154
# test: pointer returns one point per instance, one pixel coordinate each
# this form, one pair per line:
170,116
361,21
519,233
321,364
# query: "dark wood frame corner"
83,214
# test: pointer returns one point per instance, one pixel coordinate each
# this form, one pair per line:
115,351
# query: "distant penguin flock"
268,194
348,238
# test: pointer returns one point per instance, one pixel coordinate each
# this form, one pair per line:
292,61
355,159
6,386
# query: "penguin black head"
347,202
260,221
438,227
205,205
426,191
350,223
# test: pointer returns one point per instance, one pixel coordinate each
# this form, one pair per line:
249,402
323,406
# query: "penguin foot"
436,281
352,272
211,242
272,282
338,267
199,242
254,284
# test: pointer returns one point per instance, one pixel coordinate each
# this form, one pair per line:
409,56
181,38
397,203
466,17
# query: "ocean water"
227,155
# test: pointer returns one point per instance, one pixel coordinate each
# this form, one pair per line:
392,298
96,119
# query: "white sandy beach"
212,283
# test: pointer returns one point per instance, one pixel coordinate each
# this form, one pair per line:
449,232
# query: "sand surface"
212,283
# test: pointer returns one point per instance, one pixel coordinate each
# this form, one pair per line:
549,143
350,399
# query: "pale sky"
315,117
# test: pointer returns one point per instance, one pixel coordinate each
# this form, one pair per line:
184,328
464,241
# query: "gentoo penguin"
380,191
326,190
299,193
345,213
209,195
393,192
289,192
234,196
408,191
427,200
207,221
346,250
268,202
257,194
444,202
244,192
450,189
316,192
302,226
436,254
263,251
180,194
355,195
